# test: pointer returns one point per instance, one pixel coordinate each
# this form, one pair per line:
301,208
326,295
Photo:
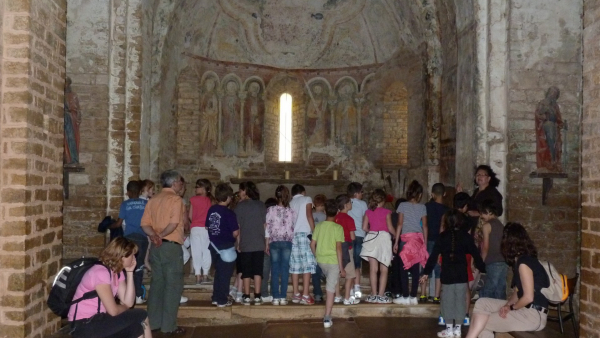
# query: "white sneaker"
139,300
337,300
457,331
283,301
232,291
441,321
183,300
351,301
275,301
447,332
413,301
327,323
267,299
238,299
357,292
402,301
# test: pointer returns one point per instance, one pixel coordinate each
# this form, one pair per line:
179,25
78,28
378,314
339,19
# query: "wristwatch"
511,307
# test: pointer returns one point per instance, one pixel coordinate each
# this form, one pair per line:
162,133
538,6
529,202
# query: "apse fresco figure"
230,119
254,116
316,117
548,125
345,116
209,112
72,122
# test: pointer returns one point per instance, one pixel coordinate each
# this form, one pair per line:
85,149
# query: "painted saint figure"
72,122
231,134
254,114
316,117
548,123
209,111
345,116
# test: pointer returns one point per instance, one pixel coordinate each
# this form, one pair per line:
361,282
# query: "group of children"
328,238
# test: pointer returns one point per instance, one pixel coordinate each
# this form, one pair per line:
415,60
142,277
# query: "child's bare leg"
246,286
295,278
349,283
337,289
305,284
438,287
373,269
329,303
383,276
257,281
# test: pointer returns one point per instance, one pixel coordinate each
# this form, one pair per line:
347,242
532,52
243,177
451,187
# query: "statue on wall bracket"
548,127
72,120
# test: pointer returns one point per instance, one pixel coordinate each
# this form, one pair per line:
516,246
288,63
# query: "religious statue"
345,116
230,119
316,117
72,119
209,111
254,115
548,125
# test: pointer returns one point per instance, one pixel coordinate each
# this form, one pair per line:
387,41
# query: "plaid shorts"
302,259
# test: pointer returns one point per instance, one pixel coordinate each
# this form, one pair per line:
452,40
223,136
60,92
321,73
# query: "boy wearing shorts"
329,236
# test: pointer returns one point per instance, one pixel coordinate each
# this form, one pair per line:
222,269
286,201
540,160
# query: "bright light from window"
285,128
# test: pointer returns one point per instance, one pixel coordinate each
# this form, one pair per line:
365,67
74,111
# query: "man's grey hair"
168,177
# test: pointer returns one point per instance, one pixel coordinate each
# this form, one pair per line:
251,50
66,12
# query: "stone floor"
342,328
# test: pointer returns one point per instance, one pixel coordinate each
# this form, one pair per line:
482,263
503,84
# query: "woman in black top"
487,184
527,308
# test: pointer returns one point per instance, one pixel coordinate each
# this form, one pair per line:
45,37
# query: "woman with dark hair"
102,316
527,308
487,184
251,215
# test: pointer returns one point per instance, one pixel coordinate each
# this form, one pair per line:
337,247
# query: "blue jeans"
316,281
138,275
495,281
357,245
280,267
223,272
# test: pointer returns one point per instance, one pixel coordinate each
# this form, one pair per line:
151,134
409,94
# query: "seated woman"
103,317
527,308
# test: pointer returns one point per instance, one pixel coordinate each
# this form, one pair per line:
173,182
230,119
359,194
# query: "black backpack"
65,284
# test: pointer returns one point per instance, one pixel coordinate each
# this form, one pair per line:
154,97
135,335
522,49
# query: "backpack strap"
89,295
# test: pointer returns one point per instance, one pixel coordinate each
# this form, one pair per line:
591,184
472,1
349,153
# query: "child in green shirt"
329,236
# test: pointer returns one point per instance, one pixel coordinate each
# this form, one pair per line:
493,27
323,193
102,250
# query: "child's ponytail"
377,197
453,221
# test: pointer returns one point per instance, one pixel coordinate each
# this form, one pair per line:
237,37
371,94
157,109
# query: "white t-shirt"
359,207
298,204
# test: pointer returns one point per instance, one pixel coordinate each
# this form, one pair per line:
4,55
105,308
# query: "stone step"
202,313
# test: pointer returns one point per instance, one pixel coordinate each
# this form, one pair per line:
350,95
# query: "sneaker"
457,331
357,292
246,300
413,301
267,299
430,299
371,299
229,303
233,291
388,294
139,300
351,301
423,299
283,301
275,302
467,321
238,299
318,299
183,300
213,303
327,323
447,332
296,298
307,300
258,300
383,300
397,300
337,300
441,321
436,300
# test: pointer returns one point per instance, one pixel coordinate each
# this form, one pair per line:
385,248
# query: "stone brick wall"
104,61
590,175
536,63
395,125
31,135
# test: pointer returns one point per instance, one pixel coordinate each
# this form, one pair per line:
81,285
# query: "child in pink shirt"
377,247
199,206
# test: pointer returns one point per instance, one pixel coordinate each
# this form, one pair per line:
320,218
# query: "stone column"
242,95
360,100
332,101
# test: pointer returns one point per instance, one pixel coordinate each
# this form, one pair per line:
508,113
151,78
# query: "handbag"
227,255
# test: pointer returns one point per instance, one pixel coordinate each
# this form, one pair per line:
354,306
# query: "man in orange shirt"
163,221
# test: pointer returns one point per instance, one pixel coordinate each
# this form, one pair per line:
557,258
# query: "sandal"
178,330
